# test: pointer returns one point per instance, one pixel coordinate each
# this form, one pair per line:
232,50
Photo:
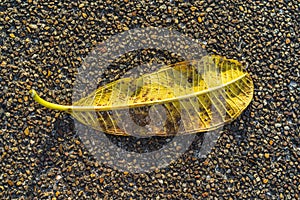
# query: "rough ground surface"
43,45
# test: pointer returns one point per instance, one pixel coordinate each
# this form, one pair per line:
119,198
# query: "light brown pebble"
265,181
84,15
26,131
10,183
200,19
33,26
12,35
267,155
126,173
193,8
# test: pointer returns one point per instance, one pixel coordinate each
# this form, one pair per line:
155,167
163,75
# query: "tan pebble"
271,142
10,183
81,5
33,26
205,194
287,41
19,183
265,181
92,175
267,155
12,35
15,149
125,173
241,8
281,196
101,180
3,64
48,118
84,15
193,8
200,19
80,152
292,99
77,142
26,131
209,9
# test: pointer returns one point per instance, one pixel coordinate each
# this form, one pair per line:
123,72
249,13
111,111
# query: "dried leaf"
187,97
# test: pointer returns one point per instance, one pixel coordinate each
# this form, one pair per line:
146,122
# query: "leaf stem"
48,104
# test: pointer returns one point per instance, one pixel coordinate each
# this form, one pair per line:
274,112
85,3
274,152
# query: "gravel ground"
42,46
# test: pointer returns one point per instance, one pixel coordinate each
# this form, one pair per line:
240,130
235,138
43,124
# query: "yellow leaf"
183,98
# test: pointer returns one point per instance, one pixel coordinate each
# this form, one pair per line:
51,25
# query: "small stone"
26,131
277,125
92,175
193,8
209,9
131,184
77,142
271,142
10,183
12,35
101,180
15,149
19,183
84,15
265,181
292,99
33,26
267,155
80,153
281,196
287,41
212,41
126,173
205,194
200,19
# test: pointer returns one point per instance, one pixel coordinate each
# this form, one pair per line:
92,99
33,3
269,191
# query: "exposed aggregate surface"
43,45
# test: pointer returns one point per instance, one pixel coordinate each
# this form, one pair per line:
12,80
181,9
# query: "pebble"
26,131
200,19
277,125
33,26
